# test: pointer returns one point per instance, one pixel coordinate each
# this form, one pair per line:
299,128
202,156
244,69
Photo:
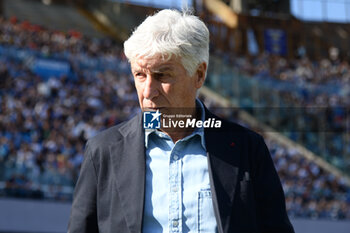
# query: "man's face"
164,84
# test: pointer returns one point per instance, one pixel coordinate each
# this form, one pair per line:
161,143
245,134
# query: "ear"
200,75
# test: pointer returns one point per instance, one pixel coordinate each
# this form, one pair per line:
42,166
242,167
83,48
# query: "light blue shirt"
177,195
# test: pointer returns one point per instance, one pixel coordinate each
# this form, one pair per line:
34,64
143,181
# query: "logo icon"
151,120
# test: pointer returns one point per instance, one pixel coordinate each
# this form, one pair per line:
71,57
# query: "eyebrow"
162,69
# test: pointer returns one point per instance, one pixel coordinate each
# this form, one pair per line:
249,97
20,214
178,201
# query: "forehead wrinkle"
167,67
145,65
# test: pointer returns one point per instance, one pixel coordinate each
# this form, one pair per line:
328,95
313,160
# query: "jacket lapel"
129,168
223,161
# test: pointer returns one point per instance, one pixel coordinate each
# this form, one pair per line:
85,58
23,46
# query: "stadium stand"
44,126
313,114
48,113
60,17
301,70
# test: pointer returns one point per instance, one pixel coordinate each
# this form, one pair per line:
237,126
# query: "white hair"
167,33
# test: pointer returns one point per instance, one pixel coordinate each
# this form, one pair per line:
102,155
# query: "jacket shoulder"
105,137
113,134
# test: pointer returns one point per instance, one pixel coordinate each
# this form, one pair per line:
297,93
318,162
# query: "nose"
150,90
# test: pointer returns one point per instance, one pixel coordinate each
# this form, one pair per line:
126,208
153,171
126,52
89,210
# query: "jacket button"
175,223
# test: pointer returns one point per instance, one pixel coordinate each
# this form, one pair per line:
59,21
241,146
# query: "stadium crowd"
310,191
315,93
44,126
301,70
49,42
45,122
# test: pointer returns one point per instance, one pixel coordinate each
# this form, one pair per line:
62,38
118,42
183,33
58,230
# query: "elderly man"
192,173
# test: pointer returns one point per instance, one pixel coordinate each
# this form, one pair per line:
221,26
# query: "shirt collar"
197,131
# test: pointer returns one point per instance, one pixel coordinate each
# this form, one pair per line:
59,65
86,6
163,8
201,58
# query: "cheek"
167,88
139,88
189,88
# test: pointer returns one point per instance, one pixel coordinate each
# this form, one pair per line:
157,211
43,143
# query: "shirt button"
174,189
176,157
175,223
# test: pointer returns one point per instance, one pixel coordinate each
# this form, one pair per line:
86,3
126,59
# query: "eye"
162,76
139,75
159,75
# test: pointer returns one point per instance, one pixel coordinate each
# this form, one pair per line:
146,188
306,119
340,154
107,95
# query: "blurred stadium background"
280,67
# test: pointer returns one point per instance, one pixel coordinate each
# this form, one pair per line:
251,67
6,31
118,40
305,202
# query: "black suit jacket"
246,190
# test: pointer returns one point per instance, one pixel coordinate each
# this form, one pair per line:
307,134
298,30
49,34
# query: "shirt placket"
175,207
